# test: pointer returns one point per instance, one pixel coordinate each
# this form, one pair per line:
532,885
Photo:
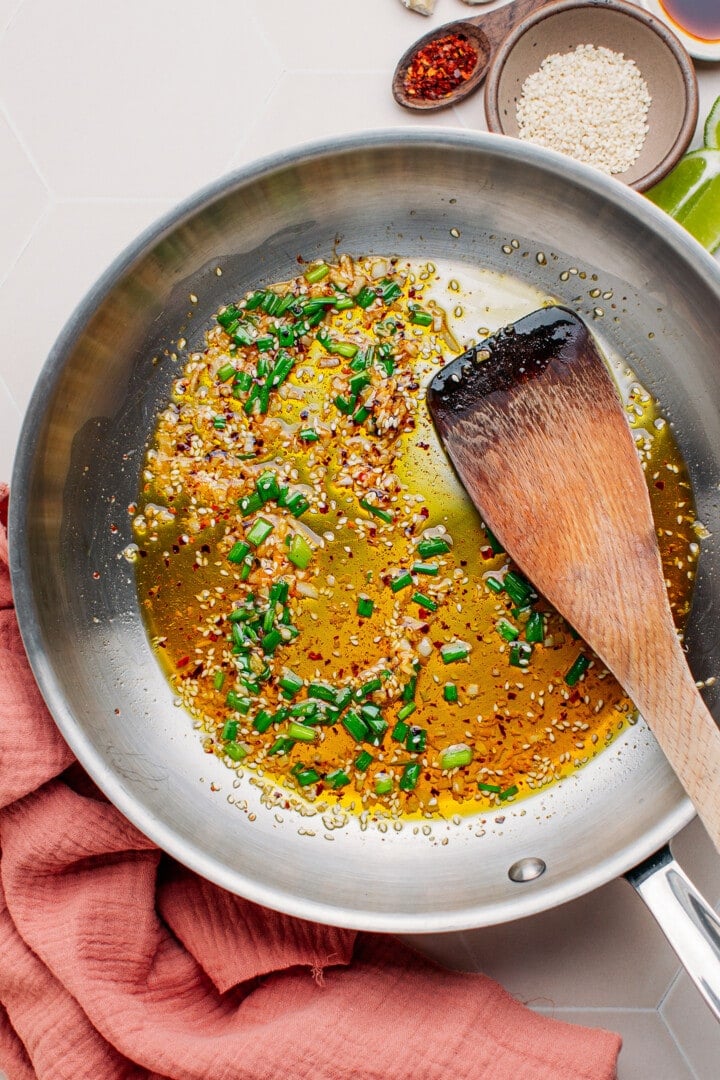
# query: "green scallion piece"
254,300
407,710
389,290
431,569
401,581
262,721
377,511
246,568
249,504
259,532
416,739
299,552
358,383
219,423
450,692
419,317
243,380
305,777
434,545
520,653
308,435
355,726
377,727
494,584
535,628
360,415
424,601
235,751
323,692
399,732
454,651
229,731
344,406
226,372
410,776
506,630
297,504
264,344
242,335
267,486
237,703
365,606
383,784
518,589
409,688
281,370
363,761
577,670
218,680
279,591
316,273
491,789
305,709
228,316
271,640
365,297
369,688
456,756
337,778
238,551
301,732
509,792
290,683
343,698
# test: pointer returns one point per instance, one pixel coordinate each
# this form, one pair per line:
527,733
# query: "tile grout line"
4,111
680,1049
45,213
11,18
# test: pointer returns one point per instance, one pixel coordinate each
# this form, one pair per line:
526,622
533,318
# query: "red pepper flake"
183,661
440,67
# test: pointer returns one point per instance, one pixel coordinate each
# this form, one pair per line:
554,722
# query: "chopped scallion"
456,756
259,532
316,273
365,606
450,692
299,552
577,670
410,776
432,545
401,581
454,651
377,511
301,732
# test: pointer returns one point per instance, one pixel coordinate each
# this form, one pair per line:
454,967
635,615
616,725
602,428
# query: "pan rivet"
526,869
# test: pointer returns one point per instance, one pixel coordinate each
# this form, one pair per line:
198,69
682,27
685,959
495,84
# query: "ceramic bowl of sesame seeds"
601,81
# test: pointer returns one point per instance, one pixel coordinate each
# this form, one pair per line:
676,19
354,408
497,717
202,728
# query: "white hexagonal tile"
602,950
649,1052
330,106
141,100
70,249
23,197
372,37
694,1028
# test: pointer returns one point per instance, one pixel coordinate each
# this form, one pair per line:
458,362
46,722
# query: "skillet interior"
82,448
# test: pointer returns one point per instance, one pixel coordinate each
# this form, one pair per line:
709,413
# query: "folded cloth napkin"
116,963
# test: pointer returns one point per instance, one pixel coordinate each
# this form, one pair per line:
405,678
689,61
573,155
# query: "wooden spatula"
534,425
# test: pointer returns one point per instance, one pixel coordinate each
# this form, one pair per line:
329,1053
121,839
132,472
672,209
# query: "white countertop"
112,112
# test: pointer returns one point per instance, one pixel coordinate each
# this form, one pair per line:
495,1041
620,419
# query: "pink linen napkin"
116,963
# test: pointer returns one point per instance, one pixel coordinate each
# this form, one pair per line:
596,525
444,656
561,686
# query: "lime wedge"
712,127
691,195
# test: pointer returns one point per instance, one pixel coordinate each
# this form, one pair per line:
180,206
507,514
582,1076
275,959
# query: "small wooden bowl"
623,28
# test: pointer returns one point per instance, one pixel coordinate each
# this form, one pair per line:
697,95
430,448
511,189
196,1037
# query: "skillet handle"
685,917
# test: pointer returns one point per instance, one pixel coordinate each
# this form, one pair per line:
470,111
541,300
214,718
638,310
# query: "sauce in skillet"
318,586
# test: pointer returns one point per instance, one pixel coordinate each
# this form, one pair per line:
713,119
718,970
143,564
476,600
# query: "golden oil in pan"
527,728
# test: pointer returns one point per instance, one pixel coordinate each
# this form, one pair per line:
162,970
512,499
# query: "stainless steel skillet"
468,198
